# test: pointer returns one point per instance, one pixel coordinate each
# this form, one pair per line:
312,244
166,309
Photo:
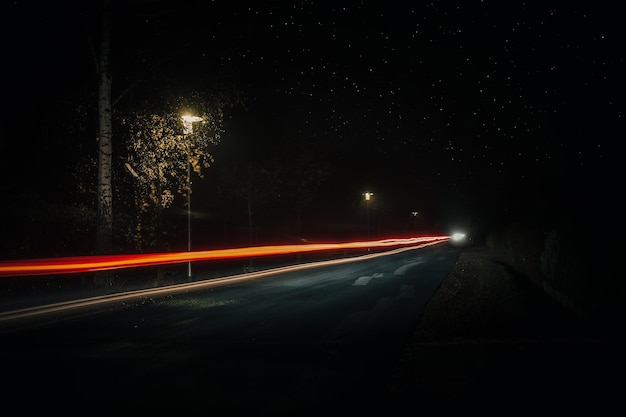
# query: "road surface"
320,339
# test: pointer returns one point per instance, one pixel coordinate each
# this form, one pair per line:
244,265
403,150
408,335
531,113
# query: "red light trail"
71,265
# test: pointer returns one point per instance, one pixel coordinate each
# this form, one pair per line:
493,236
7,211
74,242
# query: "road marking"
402,270
364,280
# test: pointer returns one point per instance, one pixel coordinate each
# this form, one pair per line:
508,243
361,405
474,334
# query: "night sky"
465,111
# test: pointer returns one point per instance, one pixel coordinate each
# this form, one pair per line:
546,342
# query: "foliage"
303,173
286,177
160,159
256,183
37,228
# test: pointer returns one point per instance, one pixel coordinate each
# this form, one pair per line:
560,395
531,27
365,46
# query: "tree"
254,183
104,231
158,154
302,174
148,95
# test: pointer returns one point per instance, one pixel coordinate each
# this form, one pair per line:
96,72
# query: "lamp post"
368,197
188,130
415,214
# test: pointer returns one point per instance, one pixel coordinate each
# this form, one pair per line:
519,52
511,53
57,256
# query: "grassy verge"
489,336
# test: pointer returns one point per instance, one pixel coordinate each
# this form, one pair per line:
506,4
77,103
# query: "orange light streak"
77,264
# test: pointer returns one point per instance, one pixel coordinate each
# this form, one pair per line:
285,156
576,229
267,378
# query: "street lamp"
368,197
415,214
188,130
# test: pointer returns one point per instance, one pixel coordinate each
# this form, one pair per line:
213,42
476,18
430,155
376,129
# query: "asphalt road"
323,339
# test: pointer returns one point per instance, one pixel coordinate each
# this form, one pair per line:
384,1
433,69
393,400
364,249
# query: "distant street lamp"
415,214
188,130
368,197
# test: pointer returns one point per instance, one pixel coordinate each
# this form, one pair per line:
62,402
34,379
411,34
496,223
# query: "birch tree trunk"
104,235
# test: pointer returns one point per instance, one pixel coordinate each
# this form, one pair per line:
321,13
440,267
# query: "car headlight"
458,237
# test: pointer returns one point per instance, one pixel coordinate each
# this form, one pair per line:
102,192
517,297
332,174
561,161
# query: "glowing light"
188,123
458,236
70,265
183,288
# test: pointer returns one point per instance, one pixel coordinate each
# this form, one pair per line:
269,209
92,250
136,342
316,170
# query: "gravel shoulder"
489,339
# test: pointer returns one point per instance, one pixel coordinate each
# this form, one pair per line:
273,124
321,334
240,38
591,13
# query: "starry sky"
463,109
